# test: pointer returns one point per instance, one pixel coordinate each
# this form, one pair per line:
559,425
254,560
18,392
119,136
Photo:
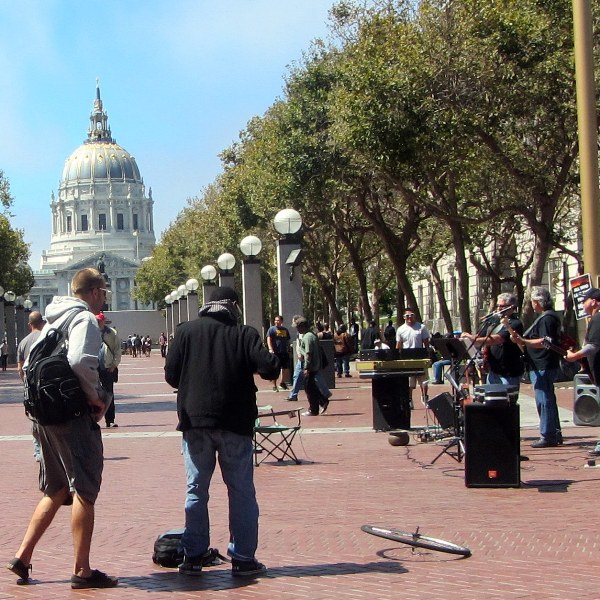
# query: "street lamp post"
288,223
136,235
183,303
169,316
20,318
11,333
2,330
251,282
174,299
192,299
208,274
226,262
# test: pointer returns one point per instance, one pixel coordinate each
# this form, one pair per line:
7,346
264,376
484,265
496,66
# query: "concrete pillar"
252,294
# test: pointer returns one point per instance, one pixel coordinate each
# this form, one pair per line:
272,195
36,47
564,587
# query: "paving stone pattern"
537,541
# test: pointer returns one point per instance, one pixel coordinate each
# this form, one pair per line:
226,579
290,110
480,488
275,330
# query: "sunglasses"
407,315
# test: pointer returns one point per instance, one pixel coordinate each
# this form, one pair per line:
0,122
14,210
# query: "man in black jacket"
211,362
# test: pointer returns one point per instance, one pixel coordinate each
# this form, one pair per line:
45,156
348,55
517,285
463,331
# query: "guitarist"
545,365
505,365
591,344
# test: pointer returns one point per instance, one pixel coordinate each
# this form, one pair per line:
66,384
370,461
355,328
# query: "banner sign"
579,286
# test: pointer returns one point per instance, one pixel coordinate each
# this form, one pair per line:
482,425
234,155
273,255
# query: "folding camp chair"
273,439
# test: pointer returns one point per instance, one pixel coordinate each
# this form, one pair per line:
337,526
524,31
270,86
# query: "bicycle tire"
416,540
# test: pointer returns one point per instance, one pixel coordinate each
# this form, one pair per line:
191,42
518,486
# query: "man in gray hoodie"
71,453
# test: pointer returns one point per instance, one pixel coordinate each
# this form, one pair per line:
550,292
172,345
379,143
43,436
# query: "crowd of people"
137,345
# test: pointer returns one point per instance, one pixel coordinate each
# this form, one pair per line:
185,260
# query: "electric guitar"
584,366
567,368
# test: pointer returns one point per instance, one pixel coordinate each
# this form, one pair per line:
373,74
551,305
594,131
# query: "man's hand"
98,408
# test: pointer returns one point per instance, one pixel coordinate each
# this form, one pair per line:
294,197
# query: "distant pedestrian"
370,334
278,343
312,359
36,324
109,359
162,342
389,334
342,345
4,353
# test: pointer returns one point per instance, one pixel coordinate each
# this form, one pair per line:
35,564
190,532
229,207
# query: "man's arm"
173,362
84,345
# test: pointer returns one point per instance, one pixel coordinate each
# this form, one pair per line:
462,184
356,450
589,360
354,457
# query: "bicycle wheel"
416,539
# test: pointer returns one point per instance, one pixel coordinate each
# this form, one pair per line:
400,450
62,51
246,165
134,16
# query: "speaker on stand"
391,402
586,402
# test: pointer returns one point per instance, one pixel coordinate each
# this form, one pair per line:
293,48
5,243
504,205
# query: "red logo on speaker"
492,474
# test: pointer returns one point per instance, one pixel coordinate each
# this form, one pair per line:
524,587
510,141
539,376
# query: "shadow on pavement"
222,580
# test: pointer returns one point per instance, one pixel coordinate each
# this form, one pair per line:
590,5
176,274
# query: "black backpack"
53,394
169,553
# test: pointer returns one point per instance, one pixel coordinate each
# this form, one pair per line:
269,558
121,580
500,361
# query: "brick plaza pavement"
538,541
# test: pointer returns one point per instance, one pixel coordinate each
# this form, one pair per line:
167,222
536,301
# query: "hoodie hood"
60,305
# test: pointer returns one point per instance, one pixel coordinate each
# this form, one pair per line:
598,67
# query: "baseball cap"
593,293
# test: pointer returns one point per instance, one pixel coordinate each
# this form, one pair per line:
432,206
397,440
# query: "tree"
15,273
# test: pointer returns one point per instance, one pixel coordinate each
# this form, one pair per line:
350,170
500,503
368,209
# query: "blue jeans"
342,363
235,452
438,370
494,378
545,401
298,382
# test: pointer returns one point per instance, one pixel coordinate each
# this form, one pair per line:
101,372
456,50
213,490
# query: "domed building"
102,216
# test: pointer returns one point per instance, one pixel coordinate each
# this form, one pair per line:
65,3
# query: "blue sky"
179,80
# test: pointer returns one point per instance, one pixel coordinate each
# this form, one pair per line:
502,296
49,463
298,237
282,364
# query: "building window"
135,221
84,223
120,221
69,223
102,221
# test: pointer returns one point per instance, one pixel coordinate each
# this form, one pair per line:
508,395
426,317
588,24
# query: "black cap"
593,293
224,293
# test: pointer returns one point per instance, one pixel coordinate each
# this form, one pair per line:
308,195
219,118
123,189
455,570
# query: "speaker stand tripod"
455,351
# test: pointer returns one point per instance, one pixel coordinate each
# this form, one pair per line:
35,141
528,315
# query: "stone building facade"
102,214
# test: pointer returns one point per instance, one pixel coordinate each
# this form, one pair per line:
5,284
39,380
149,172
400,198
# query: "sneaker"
247,568
283,386
347,375
543,443
97,579
308,414
275,388
292,398
191,566
324,407
594,452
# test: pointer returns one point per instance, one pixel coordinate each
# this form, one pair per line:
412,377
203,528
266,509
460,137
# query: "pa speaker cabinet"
492,446
586,402
391,403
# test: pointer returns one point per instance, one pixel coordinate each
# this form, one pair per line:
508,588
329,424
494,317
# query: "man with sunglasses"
71,458
412,334
504,359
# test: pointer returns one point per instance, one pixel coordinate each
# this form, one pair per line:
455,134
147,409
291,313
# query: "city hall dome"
100,159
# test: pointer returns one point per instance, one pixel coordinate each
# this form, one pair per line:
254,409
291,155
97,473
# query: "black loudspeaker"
586,402
442,406
391,403
492,446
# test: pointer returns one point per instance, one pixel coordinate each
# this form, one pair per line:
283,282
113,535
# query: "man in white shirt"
413,335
